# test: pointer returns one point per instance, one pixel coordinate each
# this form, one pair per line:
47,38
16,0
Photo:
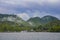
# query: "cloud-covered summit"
31,8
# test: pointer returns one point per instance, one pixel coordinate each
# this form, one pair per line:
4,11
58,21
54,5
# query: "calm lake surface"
30,36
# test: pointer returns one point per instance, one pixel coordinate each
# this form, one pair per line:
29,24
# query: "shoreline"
29,32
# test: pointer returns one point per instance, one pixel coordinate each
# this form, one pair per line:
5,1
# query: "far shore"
29,32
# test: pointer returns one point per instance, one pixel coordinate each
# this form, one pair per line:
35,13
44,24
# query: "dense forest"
49,27
13,23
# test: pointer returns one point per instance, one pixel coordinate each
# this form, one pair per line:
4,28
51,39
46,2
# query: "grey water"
30,36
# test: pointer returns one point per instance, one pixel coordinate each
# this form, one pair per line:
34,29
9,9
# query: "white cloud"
24,16
29,4
36,14
52,1
40,14
22,2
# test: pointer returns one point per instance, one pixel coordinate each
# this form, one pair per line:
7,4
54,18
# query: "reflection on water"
30,36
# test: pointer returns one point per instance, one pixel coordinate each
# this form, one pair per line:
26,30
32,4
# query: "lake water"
30,36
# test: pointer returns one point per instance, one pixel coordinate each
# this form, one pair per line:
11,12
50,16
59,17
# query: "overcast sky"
30,8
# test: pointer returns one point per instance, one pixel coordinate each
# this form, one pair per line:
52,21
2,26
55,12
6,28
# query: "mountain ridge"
13,23
43,20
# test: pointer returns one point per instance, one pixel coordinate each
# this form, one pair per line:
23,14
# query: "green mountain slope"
36,21
13,23
47,19
53,26
13,18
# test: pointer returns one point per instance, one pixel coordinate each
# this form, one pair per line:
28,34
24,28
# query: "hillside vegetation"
13,23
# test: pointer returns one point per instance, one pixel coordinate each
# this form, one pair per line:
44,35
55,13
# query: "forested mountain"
13,23
48,18
49,27
53,26
42,21
36,21
12,18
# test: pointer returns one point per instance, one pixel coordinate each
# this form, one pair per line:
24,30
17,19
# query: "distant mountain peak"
43,20
13,18
48,16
